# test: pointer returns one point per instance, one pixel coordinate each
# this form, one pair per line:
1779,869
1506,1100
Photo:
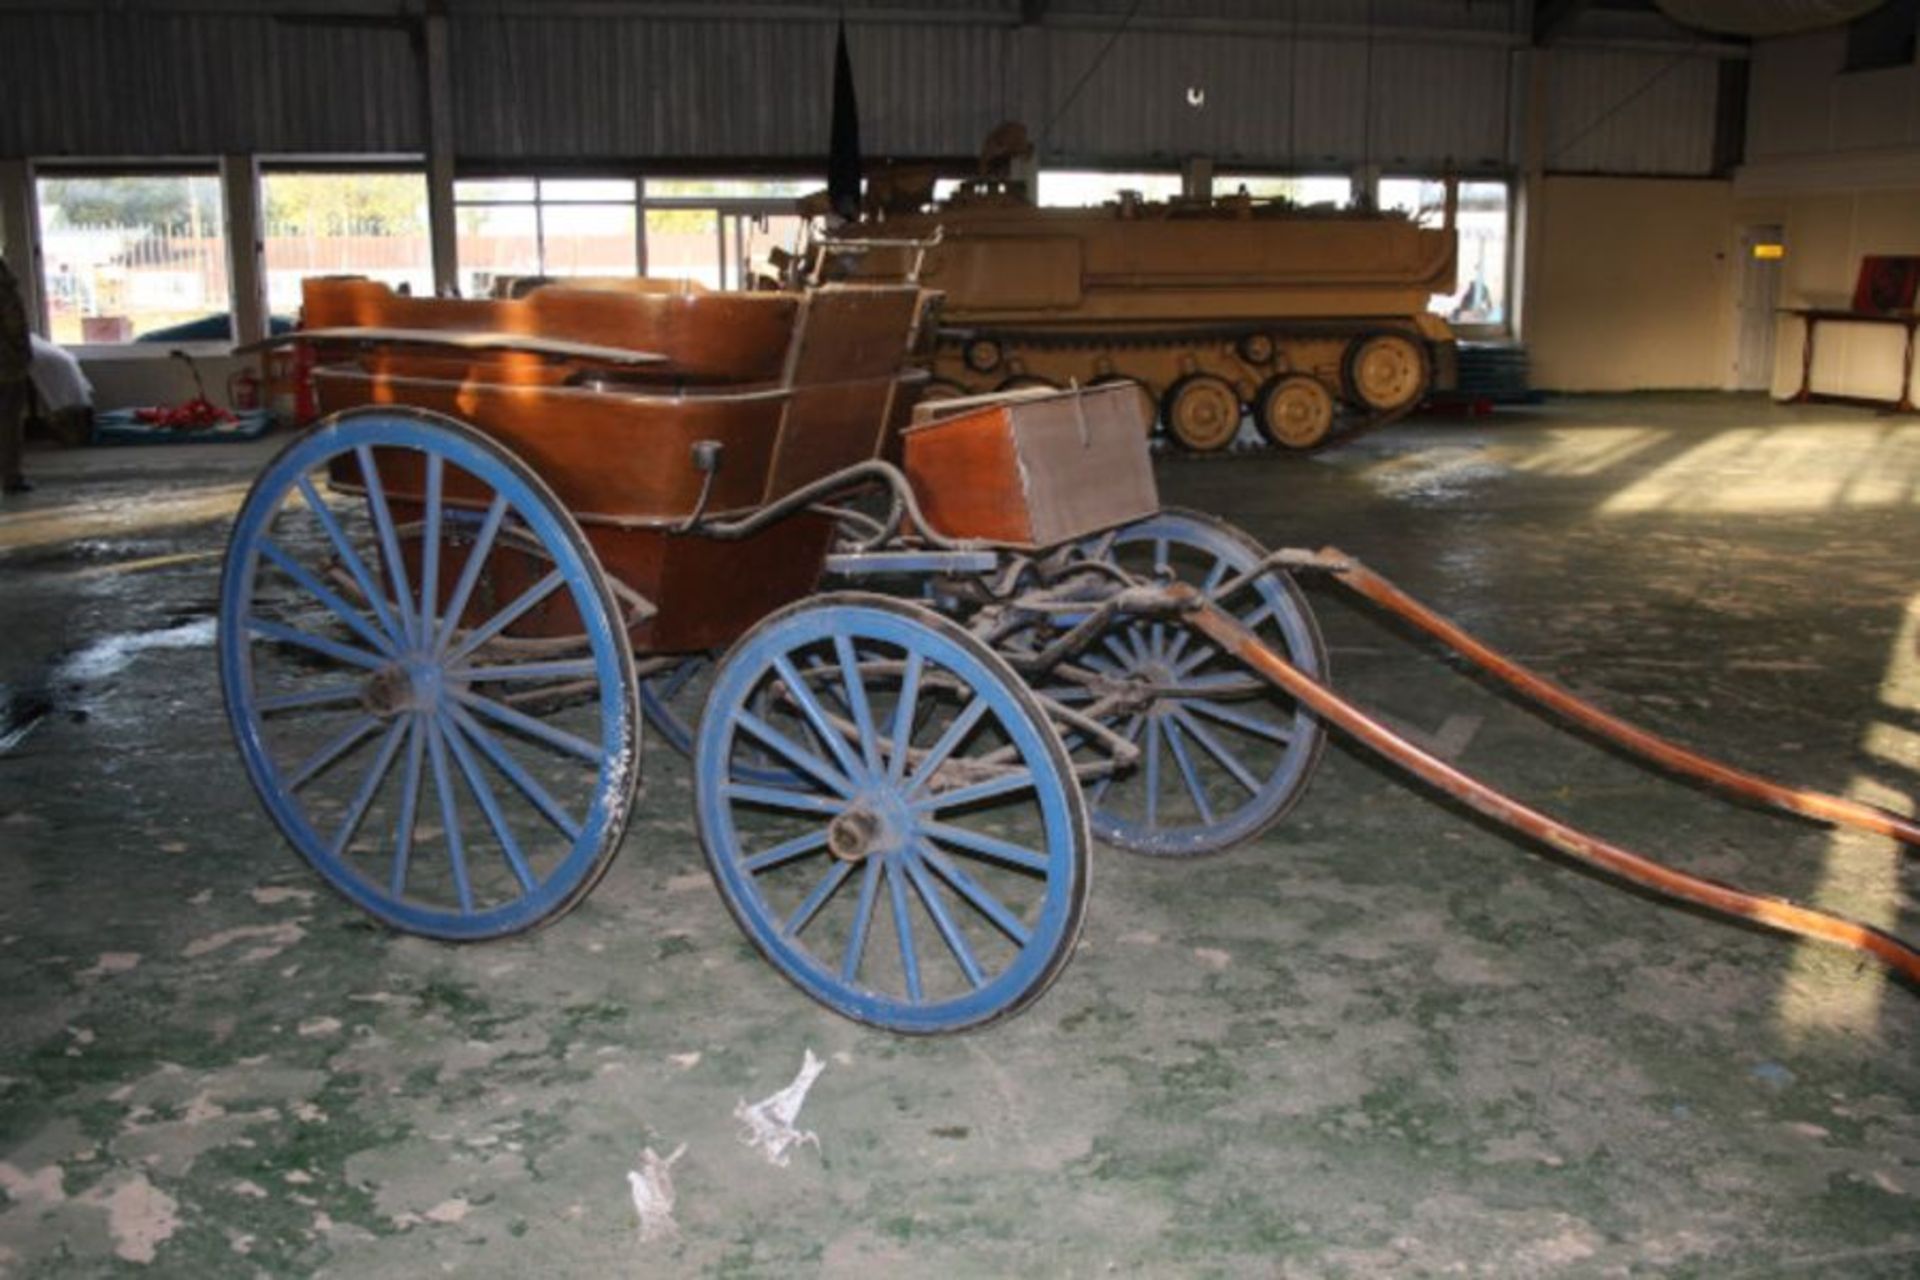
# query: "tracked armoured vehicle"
1313,320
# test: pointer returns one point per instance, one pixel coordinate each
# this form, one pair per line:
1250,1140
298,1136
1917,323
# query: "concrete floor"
1384,1039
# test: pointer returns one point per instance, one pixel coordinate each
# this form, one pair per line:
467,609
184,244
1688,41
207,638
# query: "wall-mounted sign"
1769,252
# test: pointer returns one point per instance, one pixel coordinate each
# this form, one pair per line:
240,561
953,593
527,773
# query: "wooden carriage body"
792,387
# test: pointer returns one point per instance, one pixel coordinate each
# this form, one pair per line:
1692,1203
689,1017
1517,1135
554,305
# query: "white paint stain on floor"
112,962
274,938
140,1217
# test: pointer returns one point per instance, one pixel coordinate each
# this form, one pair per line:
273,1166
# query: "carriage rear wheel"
441,769
924,869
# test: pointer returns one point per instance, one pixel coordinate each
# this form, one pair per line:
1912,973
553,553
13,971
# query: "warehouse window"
723,231
1483,219
371,224
730,188
684,244
1305,189
511,227
134,256
1072,188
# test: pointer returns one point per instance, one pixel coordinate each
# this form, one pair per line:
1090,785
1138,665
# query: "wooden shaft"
1649,746
1775,913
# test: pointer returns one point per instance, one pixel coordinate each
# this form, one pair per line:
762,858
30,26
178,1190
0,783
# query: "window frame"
724,207
1450,184
1222,181
269,167
1041,176
56,168
538,204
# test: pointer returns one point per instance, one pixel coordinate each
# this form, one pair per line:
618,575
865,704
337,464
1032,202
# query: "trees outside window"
132,254
371,224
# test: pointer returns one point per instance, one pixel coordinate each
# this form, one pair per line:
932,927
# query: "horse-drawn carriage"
918,666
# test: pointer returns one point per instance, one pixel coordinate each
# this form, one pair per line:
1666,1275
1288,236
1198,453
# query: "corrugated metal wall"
1428,85
579,87
1629,112
87,81
1274,100
1437,15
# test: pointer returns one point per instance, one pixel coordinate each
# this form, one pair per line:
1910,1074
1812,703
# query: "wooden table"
1908,320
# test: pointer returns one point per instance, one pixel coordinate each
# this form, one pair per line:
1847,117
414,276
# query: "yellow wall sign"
1769,252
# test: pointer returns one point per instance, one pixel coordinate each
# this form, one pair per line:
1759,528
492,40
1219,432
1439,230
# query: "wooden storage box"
1033,470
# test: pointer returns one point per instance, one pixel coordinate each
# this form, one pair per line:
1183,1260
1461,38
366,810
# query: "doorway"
1762,251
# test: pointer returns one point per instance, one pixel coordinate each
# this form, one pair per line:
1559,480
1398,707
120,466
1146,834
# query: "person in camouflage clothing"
16,354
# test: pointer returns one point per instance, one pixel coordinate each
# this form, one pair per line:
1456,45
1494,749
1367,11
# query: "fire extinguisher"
306,405
243,391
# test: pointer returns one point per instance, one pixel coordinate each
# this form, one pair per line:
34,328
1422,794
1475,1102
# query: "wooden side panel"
708,592
709,337
854,332
846,359
1084,463
829,428
604,454
1035,471
966,475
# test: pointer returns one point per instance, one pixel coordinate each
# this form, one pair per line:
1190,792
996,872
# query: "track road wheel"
1293,412
925,867
450,779
1387,372
1202,412
982,355
1223,756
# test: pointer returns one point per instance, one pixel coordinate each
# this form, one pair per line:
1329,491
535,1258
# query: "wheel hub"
1154,674
1206,414
1388,372
402,686
850,836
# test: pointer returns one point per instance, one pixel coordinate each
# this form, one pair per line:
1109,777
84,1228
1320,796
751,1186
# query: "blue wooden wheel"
1224,756
672,699
449,774
924,868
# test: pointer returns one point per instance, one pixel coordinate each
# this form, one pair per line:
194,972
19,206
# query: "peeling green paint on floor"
1381,1040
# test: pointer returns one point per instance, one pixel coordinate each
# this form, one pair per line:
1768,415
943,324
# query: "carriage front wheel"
924,866
1223,755
427,675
